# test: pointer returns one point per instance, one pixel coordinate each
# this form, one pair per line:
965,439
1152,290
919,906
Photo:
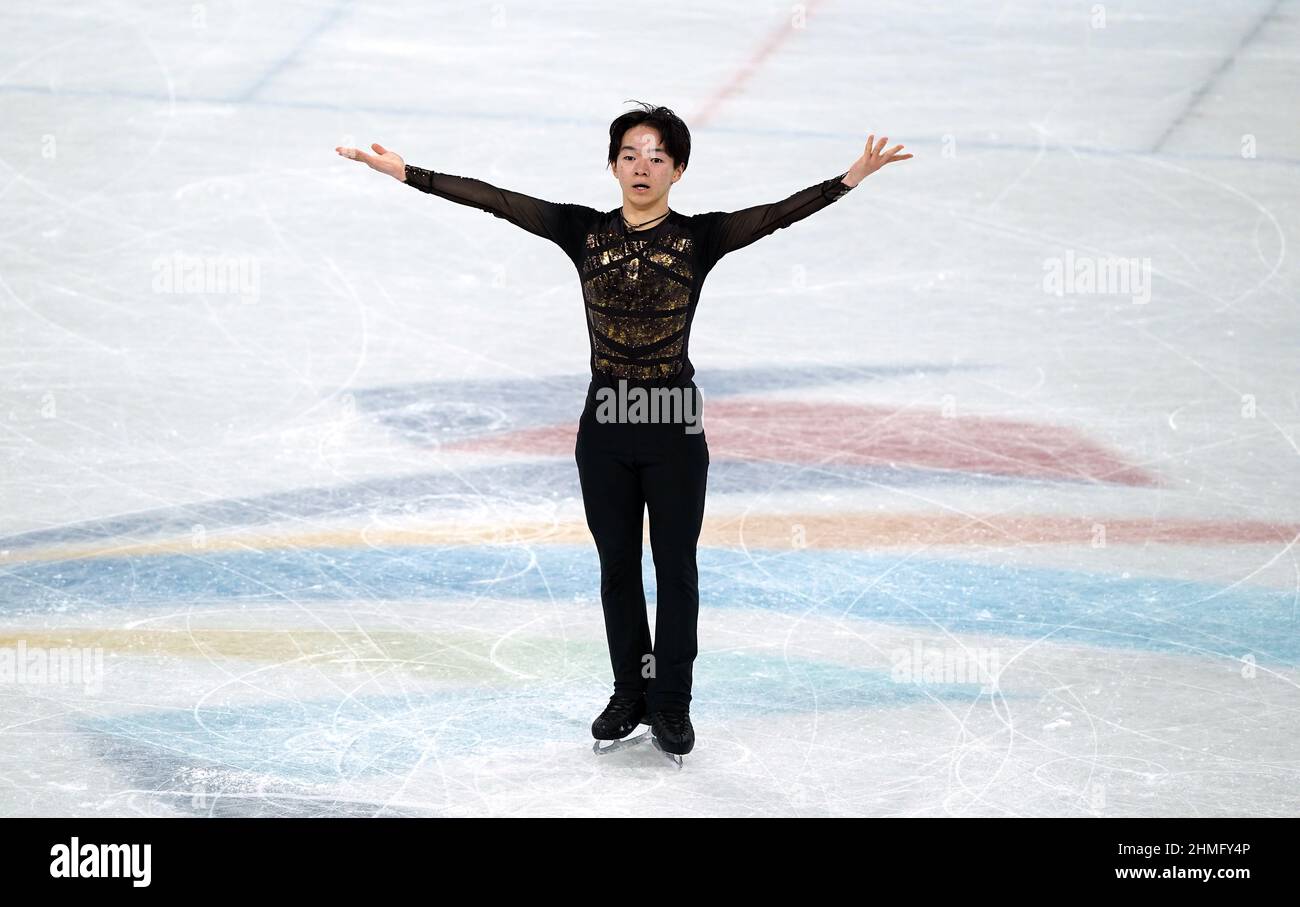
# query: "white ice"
243,517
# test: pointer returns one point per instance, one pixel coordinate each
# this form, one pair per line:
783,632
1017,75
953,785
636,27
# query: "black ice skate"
621,717
673,734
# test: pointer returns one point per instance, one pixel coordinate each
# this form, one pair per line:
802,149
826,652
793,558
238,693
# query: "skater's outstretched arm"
549,220
729,231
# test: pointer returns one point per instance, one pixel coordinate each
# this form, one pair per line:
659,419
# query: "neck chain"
632,226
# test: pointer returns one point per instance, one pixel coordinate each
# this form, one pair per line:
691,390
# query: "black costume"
640,288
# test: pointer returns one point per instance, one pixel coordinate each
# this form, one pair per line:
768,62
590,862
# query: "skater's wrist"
837,187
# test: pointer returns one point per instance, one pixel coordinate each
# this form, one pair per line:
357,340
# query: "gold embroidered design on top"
638,295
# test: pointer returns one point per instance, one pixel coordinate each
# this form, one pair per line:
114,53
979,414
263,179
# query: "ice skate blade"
672,757
613,746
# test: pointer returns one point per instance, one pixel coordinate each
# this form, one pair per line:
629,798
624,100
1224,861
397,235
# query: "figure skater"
641,267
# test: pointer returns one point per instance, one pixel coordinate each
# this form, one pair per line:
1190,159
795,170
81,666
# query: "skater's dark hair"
676,137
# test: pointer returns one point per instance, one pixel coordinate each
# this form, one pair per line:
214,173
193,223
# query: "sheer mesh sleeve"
559,223
728,231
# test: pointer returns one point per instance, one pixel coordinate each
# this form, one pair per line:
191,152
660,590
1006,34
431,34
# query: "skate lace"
619,706
674,722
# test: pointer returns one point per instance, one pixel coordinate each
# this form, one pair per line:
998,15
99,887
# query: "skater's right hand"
383,160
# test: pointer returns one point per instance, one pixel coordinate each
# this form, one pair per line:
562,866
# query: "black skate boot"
673,734
620,718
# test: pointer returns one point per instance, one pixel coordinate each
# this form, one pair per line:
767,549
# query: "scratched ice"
1003,497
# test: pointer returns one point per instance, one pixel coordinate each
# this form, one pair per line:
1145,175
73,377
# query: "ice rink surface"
1003,507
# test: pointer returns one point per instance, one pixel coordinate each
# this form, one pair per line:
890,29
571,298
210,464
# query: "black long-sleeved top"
640,286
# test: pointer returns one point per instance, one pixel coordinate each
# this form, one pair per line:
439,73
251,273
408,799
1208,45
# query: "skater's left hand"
872,160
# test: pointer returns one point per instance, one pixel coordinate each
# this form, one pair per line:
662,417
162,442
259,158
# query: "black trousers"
626,468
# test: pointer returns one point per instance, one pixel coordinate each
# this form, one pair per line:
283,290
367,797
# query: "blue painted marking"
1213,77
523,118
279,65
539,481
327,740
1019,601
441,412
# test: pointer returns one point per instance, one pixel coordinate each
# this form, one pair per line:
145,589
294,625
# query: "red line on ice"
835,434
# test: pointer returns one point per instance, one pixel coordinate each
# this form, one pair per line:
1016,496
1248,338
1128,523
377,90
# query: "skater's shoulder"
705,221
583,211
578,214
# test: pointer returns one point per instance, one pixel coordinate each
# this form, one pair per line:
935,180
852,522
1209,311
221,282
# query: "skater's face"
642,162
